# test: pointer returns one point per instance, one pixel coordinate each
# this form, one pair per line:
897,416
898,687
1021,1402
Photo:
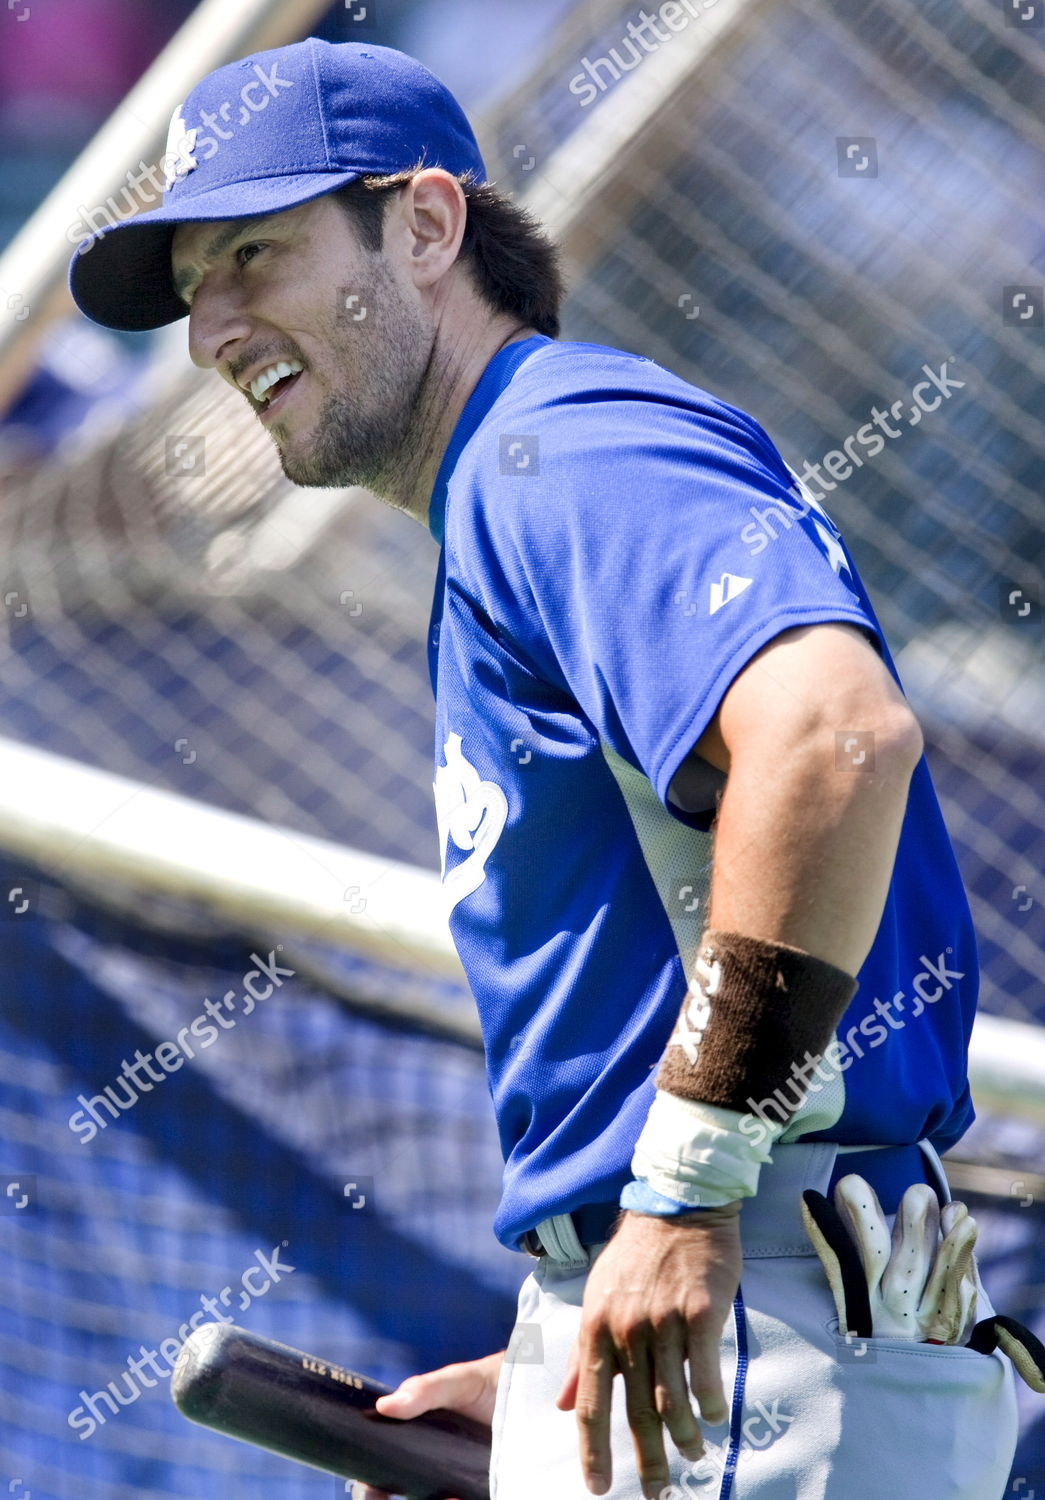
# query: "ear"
432,211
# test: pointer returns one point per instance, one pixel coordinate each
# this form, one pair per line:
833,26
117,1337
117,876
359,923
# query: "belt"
592,1222
889,1169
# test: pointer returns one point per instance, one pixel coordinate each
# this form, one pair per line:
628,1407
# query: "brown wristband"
755,1011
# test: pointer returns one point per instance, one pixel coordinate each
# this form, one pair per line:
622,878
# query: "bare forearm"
805,842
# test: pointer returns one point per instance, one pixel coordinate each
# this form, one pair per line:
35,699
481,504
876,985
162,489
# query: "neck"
450,377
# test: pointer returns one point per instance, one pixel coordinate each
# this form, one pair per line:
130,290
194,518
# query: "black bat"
320,1414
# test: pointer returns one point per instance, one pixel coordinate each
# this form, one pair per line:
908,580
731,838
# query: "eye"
245,253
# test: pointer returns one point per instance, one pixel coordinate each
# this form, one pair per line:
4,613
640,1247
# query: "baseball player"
693,861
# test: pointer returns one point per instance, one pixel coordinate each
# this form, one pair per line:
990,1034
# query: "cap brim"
121,276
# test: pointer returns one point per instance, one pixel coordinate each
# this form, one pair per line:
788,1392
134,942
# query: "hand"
470,1388
657,1295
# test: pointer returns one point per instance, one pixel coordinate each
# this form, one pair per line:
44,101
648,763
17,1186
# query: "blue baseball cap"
257,136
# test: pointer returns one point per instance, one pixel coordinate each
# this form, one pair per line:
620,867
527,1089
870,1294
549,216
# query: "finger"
705,1379
950,1214
597,1366
647,1432
409,1399
967,1296
950,1294
567,1397
841,1261
454,1385
857,1202
915,1238
918,1219
672,1397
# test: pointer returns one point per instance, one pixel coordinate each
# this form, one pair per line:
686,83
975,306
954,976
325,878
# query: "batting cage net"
823,211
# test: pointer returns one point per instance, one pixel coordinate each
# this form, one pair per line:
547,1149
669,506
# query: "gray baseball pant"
814,1417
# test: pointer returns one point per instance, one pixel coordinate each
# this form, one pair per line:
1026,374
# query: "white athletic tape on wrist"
697,1152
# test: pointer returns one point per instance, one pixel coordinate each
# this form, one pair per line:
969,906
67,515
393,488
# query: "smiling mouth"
276,395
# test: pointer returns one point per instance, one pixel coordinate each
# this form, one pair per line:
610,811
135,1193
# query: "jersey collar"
488,387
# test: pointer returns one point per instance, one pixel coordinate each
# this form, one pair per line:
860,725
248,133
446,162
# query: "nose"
218,324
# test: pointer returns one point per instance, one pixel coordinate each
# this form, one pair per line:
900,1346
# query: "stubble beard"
374,439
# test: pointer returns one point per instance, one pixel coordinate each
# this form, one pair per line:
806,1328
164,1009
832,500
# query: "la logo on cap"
178,160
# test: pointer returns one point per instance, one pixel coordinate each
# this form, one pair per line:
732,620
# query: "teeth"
268,377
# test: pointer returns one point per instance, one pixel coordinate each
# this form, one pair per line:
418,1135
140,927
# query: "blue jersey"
615,546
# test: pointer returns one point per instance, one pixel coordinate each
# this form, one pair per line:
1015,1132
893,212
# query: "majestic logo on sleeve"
470,811
726,590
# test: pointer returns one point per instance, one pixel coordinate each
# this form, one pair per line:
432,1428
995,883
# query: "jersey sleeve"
644,554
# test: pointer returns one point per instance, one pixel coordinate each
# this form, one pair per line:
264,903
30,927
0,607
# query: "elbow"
902,740
889,746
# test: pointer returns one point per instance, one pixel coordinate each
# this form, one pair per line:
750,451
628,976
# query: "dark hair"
512,260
